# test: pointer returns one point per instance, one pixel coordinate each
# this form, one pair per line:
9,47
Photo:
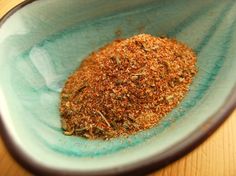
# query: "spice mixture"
126,86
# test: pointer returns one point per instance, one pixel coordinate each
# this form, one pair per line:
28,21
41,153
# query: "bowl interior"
45,41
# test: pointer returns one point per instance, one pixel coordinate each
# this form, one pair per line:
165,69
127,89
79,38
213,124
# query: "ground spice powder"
126,87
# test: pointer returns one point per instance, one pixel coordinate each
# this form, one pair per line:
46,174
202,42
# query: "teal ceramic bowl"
44,41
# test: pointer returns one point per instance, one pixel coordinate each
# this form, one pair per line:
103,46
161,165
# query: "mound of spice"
126,87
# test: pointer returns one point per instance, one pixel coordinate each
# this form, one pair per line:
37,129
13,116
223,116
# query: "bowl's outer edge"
139,168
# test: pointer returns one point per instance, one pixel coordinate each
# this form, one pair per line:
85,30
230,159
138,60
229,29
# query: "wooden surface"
215,157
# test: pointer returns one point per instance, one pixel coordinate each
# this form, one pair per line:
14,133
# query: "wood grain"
215,157
6,5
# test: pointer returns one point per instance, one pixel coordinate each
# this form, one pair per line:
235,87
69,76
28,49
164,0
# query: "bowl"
44,41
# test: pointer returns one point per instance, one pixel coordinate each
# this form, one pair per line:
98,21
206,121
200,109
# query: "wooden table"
215,157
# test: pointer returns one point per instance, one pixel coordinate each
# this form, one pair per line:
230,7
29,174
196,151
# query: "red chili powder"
126,87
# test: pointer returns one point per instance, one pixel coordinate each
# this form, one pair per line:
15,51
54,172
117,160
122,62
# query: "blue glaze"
73,36
39,58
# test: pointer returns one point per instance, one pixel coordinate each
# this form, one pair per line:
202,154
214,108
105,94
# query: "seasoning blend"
126,87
